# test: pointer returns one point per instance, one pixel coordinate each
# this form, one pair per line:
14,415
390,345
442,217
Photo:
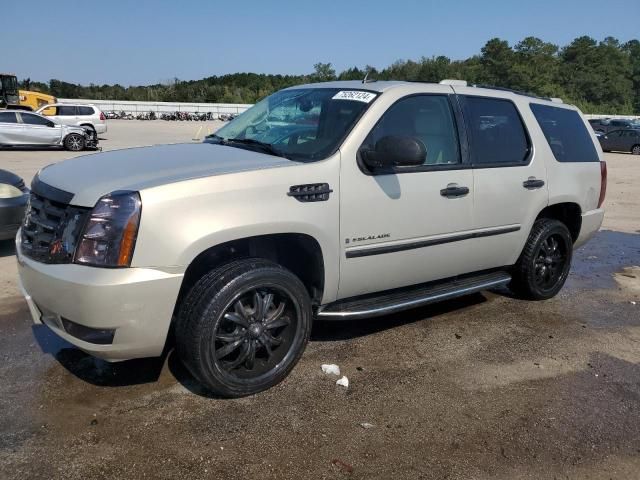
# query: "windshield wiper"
267,147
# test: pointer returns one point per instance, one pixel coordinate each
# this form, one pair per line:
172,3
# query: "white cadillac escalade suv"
339,200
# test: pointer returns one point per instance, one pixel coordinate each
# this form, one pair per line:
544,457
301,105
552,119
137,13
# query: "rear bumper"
134,304
11,215
591,223
101,127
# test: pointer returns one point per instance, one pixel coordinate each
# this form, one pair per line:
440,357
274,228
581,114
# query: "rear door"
630,138
10,129
509,175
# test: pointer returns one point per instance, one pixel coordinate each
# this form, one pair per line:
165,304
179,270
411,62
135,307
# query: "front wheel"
635,150
243,327
74,142
543,266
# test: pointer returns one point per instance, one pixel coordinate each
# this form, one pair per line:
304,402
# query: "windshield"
303,123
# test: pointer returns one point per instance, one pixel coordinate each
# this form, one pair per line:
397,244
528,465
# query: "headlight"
9,191
109,235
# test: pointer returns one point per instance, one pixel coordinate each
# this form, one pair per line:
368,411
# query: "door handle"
453,190
532,183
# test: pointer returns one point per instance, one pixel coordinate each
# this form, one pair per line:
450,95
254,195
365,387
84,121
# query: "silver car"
20,128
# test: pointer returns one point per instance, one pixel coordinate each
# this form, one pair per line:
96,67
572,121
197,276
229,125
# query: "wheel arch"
568,213
299,252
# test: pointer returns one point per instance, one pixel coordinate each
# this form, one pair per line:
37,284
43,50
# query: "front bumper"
11,215
135,303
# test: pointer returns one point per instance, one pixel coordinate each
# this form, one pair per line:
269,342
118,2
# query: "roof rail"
453,82
463,83
504,89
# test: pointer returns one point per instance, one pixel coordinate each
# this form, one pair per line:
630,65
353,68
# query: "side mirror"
395,151
51,124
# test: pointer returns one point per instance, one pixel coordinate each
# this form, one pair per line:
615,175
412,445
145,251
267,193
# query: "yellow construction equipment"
11,97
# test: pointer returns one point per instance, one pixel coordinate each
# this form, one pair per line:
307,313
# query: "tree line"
597,76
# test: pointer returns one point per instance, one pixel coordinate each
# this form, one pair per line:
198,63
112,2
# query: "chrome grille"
50,230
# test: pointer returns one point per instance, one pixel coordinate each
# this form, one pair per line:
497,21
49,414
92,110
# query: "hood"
89,177
10,178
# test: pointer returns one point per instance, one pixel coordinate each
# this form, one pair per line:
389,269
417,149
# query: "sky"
141,42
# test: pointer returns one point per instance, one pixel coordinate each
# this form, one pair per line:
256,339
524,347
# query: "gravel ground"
486,386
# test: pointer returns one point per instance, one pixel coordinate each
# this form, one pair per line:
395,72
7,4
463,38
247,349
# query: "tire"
545,261
74,142
243,326
635,150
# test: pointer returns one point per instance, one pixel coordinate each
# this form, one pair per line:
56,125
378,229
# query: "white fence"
160,107
215,108
589,116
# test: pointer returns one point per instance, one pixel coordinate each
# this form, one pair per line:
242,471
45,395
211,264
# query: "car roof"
68,105
374,86
19,111
382,86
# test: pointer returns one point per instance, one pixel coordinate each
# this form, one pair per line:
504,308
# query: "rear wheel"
543,266
243,327
635,149
74,142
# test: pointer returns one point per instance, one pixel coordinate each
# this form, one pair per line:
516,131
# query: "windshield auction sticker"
356,95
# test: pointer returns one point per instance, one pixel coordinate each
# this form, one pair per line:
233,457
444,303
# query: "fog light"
88,334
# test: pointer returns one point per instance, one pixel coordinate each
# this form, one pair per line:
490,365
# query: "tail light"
102,117
603,183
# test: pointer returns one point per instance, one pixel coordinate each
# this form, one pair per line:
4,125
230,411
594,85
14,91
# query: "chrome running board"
392,301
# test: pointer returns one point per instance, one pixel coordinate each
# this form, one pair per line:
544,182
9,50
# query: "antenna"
367,80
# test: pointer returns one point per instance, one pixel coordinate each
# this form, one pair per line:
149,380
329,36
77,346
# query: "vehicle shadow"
7,248
94,370
337,330
148,370
34,148
328,331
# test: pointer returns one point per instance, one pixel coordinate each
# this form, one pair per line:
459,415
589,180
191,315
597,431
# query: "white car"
335,201
78,115
27,129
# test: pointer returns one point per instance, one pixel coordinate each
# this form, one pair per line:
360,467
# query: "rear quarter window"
566,134
85,111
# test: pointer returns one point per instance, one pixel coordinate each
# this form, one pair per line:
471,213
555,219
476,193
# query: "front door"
613,140
406,226
37,130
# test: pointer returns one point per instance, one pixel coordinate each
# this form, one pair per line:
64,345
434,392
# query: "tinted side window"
496,130
66,110
34,119
8,117
428,118
85,110
566,134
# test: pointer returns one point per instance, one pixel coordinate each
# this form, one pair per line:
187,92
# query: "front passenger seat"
431,128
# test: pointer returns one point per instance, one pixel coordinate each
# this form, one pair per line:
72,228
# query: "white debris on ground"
344,382
367,425
330,369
